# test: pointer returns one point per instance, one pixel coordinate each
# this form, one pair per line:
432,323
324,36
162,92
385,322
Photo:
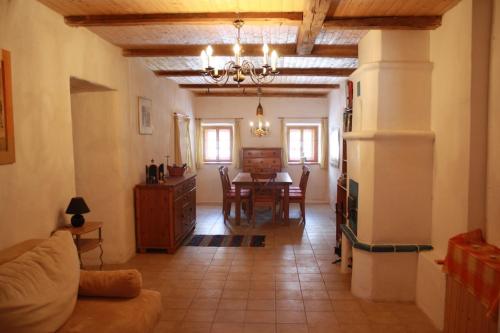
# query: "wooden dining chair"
297,195
229,195
224,189
302,180
264,193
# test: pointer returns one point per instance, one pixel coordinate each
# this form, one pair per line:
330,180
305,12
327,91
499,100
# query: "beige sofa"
43,290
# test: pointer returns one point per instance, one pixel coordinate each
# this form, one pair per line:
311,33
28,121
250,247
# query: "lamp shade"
77,206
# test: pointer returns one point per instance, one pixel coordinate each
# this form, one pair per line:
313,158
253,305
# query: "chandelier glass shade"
263,128
238,68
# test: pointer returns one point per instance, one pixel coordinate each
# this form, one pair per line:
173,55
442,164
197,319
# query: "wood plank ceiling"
316,39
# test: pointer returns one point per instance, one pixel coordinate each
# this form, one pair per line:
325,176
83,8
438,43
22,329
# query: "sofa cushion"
111,315
119,283
38,289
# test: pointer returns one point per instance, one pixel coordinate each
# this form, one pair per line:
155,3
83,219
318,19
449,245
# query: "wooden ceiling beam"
314,14
264,94
384,22
291,18
270,85
340,72
249,50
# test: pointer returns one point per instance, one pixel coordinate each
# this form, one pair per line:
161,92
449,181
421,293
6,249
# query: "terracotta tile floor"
290,285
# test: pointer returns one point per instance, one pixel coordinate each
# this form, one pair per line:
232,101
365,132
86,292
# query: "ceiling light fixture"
263,128
239,68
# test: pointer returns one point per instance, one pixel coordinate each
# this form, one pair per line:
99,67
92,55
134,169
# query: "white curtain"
189,150
236,144
199,144
324,143
284,144
177,141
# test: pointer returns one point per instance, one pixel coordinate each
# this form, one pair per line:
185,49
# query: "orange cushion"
297,190
294,195
245,193
125,283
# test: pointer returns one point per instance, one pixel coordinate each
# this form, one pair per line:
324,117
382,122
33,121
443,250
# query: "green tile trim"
381,248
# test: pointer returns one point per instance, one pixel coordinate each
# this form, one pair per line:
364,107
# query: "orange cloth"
125,283
475,264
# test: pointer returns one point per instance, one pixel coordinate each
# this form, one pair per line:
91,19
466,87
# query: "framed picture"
145,116
7,152
335,148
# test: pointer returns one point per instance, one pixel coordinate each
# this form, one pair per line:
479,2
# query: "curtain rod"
302,117
212,118
181,115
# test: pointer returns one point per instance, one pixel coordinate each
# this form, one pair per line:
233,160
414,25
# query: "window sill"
300,163
220,163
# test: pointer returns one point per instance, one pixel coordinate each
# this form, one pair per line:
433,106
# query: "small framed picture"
335,148
145,116
7,151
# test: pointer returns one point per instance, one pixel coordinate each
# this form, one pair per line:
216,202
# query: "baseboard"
216,203
209,203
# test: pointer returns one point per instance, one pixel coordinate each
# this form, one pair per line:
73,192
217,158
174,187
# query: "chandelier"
262,128
239,68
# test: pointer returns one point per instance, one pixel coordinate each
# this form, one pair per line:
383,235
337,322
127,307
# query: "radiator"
464,313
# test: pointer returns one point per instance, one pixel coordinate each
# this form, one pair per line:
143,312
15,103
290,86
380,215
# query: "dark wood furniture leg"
286,203
237,203
78,250
100,247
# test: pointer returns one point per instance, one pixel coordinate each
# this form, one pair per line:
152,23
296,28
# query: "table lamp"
77,207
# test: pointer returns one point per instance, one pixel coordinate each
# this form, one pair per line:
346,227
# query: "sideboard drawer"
261,160
185,187
165,213
256,153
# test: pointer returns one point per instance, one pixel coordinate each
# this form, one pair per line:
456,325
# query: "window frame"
218,128
315,129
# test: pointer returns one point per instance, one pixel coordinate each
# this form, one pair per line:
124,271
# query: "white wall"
336,103
456,108
35,190
493,180
209,187
459,50
96,122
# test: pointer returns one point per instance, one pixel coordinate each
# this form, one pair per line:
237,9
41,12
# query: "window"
217,144
303,142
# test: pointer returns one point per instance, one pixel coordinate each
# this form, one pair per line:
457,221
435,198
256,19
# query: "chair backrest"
304,179
270,177
261,182
225,186
226,177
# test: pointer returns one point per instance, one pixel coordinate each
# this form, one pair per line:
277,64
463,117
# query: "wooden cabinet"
261,159
165,213
341,206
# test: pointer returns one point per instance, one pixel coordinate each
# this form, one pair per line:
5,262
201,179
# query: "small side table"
86,244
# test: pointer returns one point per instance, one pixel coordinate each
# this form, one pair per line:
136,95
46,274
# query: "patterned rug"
226,240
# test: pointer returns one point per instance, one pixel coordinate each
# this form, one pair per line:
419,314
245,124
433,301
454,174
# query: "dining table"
244,180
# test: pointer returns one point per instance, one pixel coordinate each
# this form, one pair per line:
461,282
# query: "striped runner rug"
227,240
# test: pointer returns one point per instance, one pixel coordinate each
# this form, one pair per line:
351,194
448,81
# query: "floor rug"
226,240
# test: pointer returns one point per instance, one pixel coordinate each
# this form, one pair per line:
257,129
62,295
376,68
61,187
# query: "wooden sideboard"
165,213
261,159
